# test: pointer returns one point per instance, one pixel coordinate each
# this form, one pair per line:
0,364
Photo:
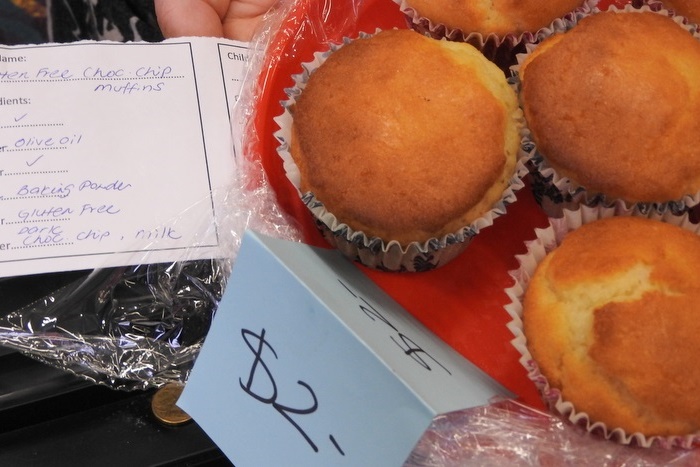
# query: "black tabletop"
49,417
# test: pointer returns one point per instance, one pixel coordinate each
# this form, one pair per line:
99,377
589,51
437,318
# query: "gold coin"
164,408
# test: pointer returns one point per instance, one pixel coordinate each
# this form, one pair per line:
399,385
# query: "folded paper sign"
308,362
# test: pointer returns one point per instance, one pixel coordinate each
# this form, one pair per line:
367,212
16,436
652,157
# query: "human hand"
232,19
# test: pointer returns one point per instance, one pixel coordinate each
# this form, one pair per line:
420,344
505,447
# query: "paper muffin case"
375,252
547,240
555,193
501,50
656,5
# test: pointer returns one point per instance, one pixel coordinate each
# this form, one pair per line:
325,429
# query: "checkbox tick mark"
21,117
31,163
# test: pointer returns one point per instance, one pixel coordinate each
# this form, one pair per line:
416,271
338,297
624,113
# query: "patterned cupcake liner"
500,49
546,241
372,251
556,193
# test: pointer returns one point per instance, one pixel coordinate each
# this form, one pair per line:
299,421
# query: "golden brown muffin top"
405,137
500,17
611,104
688,8
612,318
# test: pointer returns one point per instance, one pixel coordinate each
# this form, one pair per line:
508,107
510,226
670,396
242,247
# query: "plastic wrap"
141,325
137,326
509,433
505,432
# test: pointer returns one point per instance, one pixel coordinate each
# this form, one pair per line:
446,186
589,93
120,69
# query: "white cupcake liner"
371,251
556,193
547,240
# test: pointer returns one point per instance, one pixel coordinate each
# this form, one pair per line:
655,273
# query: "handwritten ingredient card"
309,363
114,153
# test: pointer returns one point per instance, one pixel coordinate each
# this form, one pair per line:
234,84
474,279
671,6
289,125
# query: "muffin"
687,8
499,29
610,107
612,326
405,139
499,17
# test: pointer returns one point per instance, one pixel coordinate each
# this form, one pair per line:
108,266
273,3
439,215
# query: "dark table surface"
49,417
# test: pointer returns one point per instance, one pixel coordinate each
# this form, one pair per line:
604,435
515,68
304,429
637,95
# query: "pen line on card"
34,125
55,148
38,221
42,245
35,172
15,198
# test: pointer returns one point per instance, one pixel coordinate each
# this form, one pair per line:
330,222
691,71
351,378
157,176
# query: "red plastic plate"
461,302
